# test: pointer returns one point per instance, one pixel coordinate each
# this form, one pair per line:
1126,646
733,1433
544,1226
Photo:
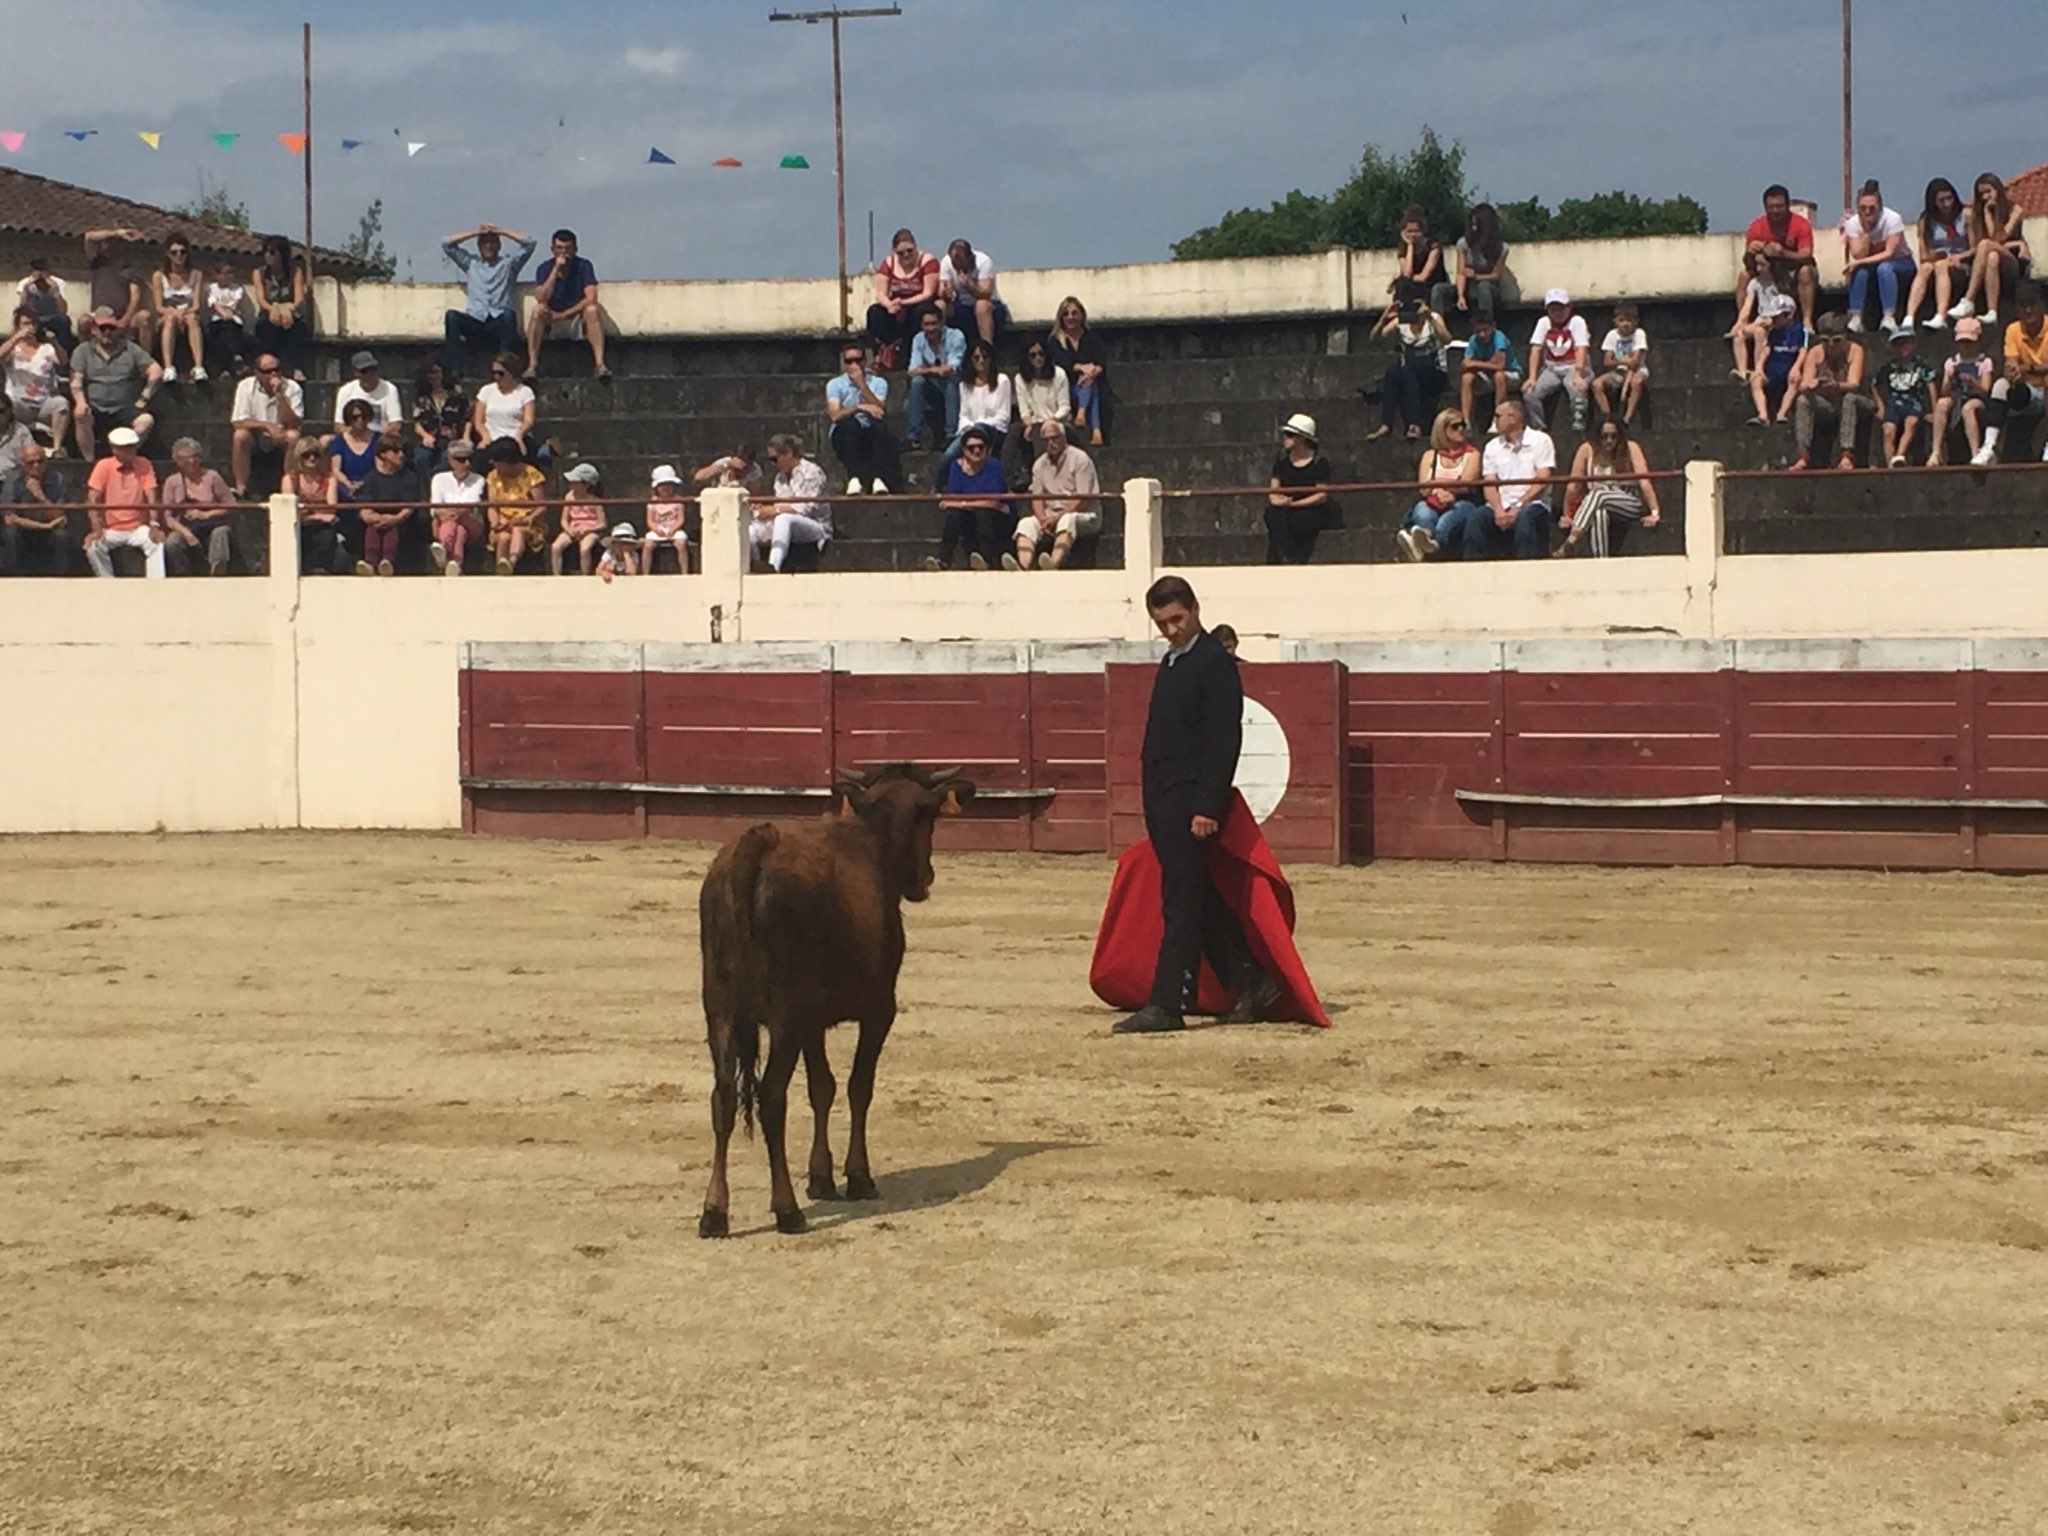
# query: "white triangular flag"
412,148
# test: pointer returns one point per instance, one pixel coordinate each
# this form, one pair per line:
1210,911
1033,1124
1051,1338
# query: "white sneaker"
931,563
1898,461
170,375
1404,541
1989,318
198,375
1937,323
452,569
854,487
1426,542
1962,309
1010,563
438,553
1890,325
878,487
975,562
1984,455
1856,324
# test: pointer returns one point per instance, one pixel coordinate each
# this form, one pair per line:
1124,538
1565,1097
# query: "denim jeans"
1889,275
1528,539
1088,401
1449,526
499,332
929,395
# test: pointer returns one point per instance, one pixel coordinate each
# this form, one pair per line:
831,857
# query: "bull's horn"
940,776
854,776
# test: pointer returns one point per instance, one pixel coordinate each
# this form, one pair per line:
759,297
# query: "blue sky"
1052,132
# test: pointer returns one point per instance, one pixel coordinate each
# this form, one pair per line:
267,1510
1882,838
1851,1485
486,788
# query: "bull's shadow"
905,1190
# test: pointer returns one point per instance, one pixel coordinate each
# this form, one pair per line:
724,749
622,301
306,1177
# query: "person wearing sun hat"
1297,506
665,522
621,555
582,519
121,506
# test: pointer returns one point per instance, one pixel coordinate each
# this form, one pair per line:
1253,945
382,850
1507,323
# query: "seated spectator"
354,451
34,528
1064,504
1945,252
266,417
374,390
621,555
1448,480
1903,392
1965,390
504,409
456,493
967,290
440,414
14,437
114,285
1418,261
1482,281
1600,514
906,285
1518,466
1297,503
1760,302
2025,383
120,497
665,509
388,500
282,324
1625,365
490,304
323,545
1558,360
518,516
856,403
112,381
1040,390
175,288
41,292
564,303
799,514
1828,394
1412,387
36,370
1078,354
582,519
196,503
227,338
1784,346
987,402
2001,257
1226,636
1488,367
972,499
741,468
1785,239
1874,244
936,358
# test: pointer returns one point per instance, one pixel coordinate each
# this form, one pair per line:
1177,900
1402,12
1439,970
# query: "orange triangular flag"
295,142
727,162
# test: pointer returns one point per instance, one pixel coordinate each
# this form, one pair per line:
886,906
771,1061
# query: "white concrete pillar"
281,580
724,516
1705,515
1144,550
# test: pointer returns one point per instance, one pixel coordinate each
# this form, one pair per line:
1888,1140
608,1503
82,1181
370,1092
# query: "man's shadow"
926,1188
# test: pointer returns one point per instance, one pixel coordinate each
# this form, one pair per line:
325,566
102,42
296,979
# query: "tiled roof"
2029,190
36,205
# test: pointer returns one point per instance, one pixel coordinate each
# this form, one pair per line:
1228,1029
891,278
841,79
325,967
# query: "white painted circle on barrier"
1265,763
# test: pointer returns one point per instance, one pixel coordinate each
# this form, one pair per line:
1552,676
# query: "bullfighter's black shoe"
1148,1020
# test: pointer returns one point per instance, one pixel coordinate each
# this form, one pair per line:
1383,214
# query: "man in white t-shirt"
1558,360
1519,517
380,393
265,419
967,287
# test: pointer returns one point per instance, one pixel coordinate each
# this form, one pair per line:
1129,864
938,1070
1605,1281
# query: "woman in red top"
906,281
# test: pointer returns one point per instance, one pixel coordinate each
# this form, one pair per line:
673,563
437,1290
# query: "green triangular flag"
795,163
226,140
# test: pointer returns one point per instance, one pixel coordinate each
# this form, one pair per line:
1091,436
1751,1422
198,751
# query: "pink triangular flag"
12,141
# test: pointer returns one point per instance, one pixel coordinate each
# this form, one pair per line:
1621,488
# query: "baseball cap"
363,360
665,474
1970,328
123,437
1556,296
104,312
582,474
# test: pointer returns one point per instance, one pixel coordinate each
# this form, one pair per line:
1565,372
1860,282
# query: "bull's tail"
743,1037
743,1050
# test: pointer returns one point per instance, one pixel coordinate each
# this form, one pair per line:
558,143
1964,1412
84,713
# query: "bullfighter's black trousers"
1198,922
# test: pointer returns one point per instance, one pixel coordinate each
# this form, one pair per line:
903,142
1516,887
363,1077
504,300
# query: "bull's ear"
848,795
954,795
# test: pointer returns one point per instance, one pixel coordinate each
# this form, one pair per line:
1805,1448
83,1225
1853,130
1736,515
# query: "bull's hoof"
790,1221
711,1223
821,1189
860,1187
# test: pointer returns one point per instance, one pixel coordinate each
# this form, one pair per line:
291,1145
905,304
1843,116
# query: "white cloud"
665,62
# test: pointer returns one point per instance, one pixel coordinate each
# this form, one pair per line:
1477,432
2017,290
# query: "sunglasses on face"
975,448
1455,426
267,370
851,358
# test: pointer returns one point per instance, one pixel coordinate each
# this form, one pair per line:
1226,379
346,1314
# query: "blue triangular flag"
348,144
80,134
656,157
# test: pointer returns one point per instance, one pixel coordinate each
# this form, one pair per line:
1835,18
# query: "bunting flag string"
225,140
12,141
794,163
413,147
349,144
726,162
153,140
656,157
295,142
80,134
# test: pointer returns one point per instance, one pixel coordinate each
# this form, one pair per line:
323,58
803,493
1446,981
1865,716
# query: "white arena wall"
332,702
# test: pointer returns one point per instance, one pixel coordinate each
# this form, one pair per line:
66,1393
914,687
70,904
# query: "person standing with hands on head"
1193,733
490,306
565,295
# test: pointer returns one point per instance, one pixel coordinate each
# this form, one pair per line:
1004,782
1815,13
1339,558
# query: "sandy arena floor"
350,1184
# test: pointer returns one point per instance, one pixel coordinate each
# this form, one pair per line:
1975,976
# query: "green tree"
1365,213
1294,226
1614,214
213,207
367,244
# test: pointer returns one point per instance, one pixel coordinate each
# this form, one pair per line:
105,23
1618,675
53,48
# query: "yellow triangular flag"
151,139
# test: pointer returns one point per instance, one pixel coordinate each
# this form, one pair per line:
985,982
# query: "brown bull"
802,928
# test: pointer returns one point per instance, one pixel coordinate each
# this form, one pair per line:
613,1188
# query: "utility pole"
835,16
307,156
1848,175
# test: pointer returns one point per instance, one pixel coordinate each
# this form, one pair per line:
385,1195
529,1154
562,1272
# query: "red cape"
1252,885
